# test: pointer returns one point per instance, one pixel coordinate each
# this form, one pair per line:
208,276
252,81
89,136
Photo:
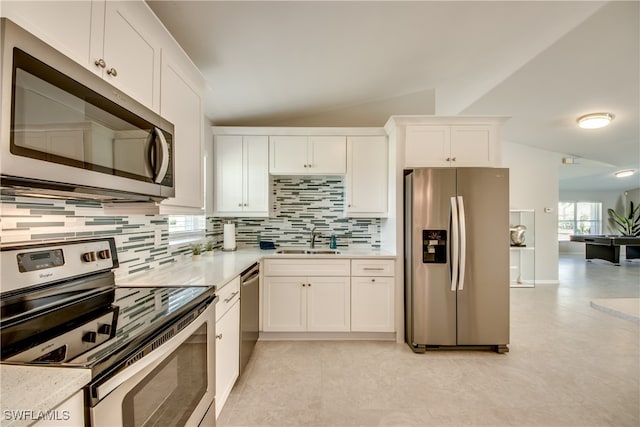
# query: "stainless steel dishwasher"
249,312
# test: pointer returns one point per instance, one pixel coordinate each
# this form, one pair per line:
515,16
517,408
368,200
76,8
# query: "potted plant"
208,247
627,224
196,251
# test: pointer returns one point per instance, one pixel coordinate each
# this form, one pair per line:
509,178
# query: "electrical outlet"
373,229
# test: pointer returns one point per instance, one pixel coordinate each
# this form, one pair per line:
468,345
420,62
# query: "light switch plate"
373,229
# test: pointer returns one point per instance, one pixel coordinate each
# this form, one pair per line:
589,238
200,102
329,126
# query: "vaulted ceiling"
344,63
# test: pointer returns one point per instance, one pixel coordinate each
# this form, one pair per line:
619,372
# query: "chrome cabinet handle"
100,63
112,72
219,336
231,297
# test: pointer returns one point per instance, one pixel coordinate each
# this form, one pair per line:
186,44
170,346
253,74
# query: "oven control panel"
38,264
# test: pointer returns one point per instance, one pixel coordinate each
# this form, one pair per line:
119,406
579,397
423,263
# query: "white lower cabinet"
372,295
227,342
298,304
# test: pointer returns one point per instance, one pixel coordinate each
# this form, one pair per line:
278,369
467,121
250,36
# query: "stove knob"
104,254
89,337
88,256
104,329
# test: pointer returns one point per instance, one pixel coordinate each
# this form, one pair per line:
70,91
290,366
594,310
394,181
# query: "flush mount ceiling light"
594,120
624,173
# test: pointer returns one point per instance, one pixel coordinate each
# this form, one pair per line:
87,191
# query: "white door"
372,304
229,173
471,145
285,304
67,28
132,57
256,175
227,354
327,155
181,105
427,145
288,155
328,304
366,179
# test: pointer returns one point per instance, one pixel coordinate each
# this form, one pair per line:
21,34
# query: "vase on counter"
195,257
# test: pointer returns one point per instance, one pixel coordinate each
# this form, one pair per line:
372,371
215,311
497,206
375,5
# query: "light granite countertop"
219,268
36,389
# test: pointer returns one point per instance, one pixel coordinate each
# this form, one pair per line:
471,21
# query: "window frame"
598,222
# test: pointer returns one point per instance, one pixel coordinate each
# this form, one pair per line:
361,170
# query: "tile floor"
568,365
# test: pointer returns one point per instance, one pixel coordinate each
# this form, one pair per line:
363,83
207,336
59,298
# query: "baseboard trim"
547,282
327,336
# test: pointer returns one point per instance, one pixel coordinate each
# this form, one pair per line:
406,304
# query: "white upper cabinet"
181,104
241,175
130,54
367,176
457,141
307,155
114,39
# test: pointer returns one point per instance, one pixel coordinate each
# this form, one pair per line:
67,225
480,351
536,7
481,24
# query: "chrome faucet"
312,240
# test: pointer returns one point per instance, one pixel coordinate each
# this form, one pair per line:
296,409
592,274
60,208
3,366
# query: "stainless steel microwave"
65,132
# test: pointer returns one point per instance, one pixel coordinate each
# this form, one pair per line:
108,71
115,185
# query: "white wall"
534,185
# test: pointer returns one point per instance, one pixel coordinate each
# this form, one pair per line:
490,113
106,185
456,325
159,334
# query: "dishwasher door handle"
250,280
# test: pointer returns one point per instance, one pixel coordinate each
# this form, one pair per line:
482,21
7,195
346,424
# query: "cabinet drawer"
229,294
372,267
304,267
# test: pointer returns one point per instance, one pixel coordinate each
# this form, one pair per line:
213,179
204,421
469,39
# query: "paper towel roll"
229,234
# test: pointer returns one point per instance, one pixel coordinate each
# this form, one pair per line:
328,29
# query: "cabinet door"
285,307
427,145
256,173
131,52
327,155
229,171
65,25
288,155
366,180
328,304
181,105
372,304
471,145
227,354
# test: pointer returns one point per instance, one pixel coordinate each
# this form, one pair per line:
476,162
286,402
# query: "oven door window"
171,392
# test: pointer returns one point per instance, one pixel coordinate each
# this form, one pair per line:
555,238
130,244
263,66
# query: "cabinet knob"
448,159
309,284
453,160
112,72
219,336
373,280
304,284
305,166
239,205
245,205
100,63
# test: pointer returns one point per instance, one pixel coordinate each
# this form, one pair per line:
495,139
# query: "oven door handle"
153,359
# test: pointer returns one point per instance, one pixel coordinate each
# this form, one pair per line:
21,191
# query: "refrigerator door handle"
463,243
454,244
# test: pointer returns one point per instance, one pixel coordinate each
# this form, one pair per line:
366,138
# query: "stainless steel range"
150,350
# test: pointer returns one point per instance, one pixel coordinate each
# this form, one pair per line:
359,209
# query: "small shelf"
522,258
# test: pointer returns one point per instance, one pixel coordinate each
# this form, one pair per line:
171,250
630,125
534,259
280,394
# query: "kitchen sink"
307,251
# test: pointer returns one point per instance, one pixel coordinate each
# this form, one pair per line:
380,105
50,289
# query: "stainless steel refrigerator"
457,258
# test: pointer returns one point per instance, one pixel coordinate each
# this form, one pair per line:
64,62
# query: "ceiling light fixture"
624,173
594,120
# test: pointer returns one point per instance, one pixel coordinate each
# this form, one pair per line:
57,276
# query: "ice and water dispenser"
434,246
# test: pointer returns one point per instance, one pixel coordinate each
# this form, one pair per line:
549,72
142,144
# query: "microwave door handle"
161,169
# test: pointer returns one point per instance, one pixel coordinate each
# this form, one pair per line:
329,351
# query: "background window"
186,227
579,218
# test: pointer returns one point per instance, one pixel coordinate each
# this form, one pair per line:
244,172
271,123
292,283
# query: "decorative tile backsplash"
25,219
299,204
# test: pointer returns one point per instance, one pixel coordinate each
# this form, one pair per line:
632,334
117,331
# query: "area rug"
625,308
